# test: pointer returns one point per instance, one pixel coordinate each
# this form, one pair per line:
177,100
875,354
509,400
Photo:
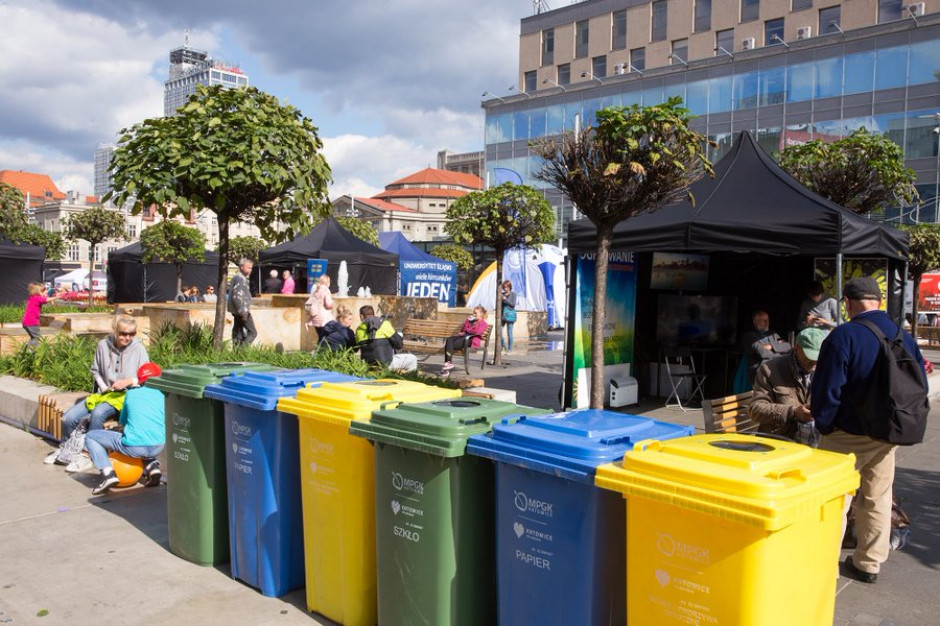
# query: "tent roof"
751,205
134,253
22,251
328,239
397,243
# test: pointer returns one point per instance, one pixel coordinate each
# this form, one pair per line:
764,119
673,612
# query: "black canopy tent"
21,264
132,280
761,229
367,265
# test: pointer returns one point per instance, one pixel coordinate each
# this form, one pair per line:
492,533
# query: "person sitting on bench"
470,336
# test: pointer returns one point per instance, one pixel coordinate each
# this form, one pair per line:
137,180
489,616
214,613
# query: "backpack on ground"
894,407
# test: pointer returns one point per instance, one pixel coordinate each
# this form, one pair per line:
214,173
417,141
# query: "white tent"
73,280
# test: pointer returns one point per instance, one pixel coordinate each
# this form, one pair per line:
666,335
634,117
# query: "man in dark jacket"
844,369
762,344
379,342
338,334
272,284
239,305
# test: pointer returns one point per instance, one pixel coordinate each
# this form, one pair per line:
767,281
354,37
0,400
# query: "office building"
102,176
786,70
188,68
463,162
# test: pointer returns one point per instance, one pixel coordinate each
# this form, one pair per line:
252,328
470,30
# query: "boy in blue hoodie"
143,436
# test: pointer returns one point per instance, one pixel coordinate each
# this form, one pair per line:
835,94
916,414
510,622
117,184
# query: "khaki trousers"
874,461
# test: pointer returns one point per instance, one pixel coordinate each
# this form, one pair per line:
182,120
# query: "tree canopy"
237,152
245,248
95,225
923,256
360,228
864,172
454,253
634,160
14,224
501,217
172,242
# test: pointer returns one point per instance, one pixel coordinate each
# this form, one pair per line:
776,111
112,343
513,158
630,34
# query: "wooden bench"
418,334
729,414
51,408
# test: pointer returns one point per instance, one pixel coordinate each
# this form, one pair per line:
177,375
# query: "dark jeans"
454,343
33,332
243,330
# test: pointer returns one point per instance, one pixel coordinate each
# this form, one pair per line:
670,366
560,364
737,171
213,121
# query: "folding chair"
680,369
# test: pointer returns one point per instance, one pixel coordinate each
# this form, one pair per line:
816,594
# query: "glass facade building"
885,78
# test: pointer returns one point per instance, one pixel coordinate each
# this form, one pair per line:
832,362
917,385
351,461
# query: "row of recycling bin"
382,498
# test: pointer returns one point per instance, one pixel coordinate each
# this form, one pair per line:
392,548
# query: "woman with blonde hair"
469,337
319,306
36,297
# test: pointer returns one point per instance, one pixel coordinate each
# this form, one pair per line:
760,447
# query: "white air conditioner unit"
804,33
748,44
916,9
619,69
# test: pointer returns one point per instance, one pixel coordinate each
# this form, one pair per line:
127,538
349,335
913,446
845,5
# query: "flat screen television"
696,320
679,272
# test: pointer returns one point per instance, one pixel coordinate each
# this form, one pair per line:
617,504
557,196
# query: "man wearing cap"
781,390
845,367
143,436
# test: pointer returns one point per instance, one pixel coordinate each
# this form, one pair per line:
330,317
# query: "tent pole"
839,287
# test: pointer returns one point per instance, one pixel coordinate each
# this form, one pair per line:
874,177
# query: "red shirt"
33,309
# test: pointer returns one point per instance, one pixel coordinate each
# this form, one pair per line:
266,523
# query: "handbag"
74,445
509,315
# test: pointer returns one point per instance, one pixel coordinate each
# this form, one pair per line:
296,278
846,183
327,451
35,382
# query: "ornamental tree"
455,254
172,242
15,225
361,229
923,256
863,172
635,160
244,248
237,152
501,217
94,225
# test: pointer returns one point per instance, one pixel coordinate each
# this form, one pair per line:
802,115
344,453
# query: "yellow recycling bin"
731,529
338,491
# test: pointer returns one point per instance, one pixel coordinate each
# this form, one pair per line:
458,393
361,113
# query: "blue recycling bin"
263,470
560,545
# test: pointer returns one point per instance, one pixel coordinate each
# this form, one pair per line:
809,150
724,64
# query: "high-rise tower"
190,67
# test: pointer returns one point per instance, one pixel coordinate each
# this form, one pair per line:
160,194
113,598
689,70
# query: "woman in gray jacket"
114,368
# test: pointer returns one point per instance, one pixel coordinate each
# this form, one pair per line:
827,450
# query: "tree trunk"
914,313
605,234
498,313
218,329
91,275
179,278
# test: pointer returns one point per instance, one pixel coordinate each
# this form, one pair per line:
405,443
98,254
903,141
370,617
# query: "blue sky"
387,83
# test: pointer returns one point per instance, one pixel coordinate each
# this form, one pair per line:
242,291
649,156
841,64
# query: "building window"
829,18
582,37
619,31
599,66
797,5
659,21
132,231
530,81
680,49
773,31
74,252
564,74
889,10
548,47
638,59
724,41
703,15
750,9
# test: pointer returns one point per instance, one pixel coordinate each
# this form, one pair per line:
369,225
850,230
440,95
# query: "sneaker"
107,481
152,474
448,366
857,574
52,457
79,464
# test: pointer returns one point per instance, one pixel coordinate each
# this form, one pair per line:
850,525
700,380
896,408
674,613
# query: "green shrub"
13,313
65,361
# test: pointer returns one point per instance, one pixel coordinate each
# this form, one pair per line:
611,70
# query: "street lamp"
487,94
676,57
590,74
776,37
550,81
723,51
522,91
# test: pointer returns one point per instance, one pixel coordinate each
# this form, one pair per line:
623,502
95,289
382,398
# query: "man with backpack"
869,395
379,342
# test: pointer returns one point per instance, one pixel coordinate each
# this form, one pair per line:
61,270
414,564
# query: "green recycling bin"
435,511
196,500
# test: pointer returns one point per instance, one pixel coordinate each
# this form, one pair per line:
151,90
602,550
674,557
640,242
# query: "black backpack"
894,407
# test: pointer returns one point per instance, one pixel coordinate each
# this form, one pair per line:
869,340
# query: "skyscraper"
102,175
188,68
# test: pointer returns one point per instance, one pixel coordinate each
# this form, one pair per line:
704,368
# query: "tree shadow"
919,494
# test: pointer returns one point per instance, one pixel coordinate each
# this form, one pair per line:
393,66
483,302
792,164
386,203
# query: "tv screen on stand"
696,320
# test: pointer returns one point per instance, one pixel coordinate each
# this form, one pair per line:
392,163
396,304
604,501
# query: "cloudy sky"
387,83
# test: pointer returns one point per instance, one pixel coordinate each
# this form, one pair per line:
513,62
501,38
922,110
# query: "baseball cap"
147,370
810,340
862,288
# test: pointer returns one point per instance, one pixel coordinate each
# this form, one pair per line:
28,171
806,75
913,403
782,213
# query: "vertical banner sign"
430,279
620,307
315,269
514,270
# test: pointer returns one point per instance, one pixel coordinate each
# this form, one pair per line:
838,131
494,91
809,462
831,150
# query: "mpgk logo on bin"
402,483
526,504
181,421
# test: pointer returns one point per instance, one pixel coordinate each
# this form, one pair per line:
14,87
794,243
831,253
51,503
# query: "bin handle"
648,444
515,418
391,404
795,473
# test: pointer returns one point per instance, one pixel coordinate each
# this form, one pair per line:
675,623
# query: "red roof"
39,187
432,176
418,192
382,205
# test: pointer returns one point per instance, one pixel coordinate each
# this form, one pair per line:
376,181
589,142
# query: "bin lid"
439,427
262,390
768,483
340,403
191,380
570,445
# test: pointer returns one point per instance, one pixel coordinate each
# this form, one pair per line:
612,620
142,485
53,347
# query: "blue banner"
430,279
